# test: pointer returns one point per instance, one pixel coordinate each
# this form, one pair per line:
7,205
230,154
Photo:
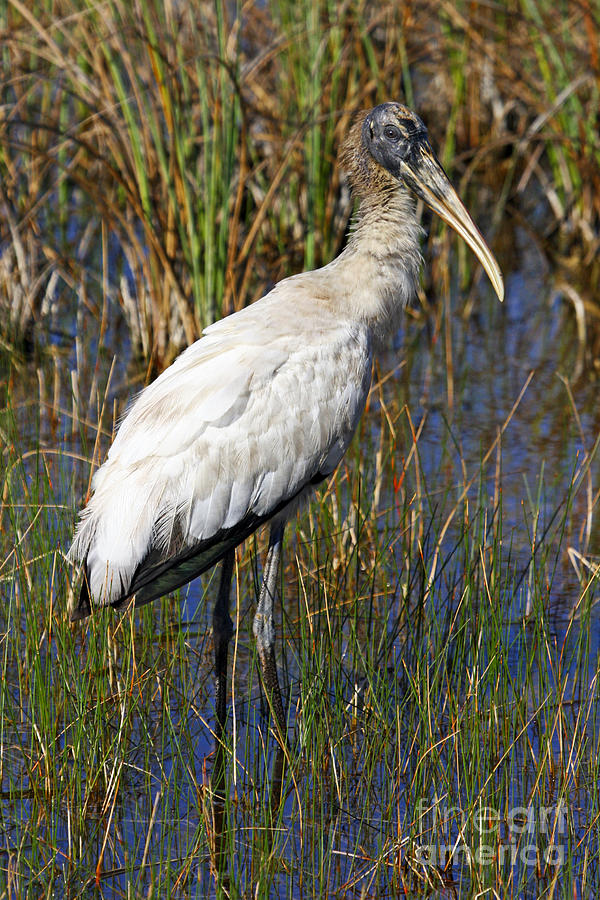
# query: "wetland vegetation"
162,164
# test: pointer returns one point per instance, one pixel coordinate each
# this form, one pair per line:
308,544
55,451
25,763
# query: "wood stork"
260,410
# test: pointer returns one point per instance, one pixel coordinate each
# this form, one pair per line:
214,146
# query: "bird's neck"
381,261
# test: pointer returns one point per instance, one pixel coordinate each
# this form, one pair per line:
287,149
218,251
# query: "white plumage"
239,423
264,405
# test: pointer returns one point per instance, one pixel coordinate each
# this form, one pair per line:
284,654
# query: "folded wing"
236,429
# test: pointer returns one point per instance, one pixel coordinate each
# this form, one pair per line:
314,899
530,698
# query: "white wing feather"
240,423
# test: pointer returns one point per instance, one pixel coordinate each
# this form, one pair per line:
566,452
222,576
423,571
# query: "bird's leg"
264,629
222,631
277,773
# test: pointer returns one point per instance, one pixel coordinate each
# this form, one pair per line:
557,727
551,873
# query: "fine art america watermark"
521,835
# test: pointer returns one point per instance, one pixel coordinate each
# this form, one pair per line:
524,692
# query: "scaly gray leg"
264,629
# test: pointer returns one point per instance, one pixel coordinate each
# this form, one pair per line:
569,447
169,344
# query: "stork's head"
388,150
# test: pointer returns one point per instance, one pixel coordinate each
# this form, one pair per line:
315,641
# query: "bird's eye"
392,133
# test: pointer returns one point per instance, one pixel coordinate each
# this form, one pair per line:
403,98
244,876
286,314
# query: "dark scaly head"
387,150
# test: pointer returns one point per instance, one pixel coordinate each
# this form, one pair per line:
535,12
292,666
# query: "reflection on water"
556,422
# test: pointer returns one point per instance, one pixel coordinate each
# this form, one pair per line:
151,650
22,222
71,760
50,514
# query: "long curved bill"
425,176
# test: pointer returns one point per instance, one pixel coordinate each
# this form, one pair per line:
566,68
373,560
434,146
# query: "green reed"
199,144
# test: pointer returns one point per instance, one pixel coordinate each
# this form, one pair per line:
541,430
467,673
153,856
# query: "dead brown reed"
183,156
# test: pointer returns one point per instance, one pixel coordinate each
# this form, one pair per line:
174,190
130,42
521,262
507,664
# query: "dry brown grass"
177,160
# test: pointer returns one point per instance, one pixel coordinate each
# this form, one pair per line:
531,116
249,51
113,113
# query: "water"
494,353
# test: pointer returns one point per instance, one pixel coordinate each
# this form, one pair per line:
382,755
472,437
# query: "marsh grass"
444,702
184,156
161,165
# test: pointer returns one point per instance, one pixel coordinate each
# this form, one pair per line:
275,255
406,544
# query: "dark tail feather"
83,608
157,576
